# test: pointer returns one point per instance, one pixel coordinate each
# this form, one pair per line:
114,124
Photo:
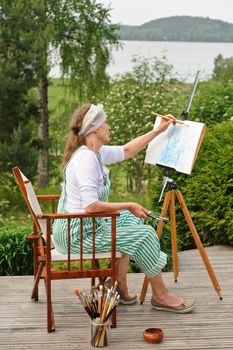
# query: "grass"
61,103
75,265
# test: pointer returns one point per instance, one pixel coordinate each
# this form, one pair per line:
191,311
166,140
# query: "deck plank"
23,322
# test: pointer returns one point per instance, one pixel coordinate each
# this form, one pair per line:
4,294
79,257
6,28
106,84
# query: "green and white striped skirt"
134,239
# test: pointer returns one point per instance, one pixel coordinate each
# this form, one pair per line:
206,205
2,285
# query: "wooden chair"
44,252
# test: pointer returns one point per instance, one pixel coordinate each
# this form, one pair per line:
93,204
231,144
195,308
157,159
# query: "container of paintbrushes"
99,306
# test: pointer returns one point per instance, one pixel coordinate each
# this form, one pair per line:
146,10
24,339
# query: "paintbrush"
115,287
100,298
106,305
114,305
167,118
83,302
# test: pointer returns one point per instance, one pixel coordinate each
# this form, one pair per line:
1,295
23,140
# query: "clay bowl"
153,335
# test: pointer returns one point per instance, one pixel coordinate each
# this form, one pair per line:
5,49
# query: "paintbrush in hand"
168,118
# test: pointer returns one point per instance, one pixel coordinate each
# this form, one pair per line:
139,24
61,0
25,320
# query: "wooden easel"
169,200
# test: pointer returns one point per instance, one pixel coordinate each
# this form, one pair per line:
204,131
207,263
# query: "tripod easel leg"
159,232
163,213
173,236
144,290
198,243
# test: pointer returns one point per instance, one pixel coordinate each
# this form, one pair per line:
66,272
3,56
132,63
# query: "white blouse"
84,176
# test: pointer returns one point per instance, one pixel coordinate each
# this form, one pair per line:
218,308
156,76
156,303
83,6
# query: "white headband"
93,119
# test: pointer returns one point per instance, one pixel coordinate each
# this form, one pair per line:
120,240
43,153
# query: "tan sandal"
187,306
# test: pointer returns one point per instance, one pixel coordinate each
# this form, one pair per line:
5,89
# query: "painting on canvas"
177,147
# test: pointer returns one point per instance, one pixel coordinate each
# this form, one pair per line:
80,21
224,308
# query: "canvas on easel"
177,147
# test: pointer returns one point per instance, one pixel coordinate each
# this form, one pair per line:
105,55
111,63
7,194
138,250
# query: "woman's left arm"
136,145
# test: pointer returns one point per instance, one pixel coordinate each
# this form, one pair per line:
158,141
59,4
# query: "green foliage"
16,66
18,105
213,102
11,200
16,152
15,250
180,28
129,104
19,151
223,69
208,192
213,99
83,34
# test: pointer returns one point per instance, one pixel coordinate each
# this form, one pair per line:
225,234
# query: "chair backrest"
31,199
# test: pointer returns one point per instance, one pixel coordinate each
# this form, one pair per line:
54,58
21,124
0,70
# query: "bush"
15,250
208,192
19,151
213,102
223,68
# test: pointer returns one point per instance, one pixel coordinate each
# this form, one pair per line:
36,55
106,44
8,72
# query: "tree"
18,107
15,71
82,33
223,69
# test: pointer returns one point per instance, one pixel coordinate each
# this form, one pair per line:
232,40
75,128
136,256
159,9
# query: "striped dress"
135,239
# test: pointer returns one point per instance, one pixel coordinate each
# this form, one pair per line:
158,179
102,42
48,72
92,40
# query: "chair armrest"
48,197
80,216
33,237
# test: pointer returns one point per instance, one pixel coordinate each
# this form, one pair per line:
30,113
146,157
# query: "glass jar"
99,334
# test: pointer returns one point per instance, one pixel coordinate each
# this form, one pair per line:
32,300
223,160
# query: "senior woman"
86,189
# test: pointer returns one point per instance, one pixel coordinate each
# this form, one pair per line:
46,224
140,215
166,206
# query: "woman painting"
86,189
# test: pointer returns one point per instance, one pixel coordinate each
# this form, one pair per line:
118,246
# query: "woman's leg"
148,241
161,294
126,219
139,242
121,273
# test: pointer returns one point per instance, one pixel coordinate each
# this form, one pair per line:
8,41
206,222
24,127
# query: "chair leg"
50,316
37,280
35,293
101,279
113,319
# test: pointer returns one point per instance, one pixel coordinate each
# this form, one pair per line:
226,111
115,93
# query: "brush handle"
167,118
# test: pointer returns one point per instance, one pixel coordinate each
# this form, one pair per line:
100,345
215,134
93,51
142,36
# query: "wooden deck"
210,326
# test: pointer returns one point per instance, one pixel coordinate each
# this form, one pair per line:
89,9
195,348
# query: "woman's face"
103,133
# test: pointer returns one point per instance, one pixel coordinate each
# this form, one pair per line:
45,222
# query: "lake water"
186,57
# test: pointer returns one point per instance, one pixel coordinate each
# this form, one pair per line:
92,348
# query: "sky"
136,12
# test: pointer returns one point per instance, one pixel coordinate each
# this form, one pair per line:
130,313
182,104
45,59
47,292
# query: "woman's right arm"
134,208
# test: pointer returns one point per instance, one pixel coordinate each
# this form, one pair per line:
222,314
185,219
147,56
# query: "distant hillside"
180,28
